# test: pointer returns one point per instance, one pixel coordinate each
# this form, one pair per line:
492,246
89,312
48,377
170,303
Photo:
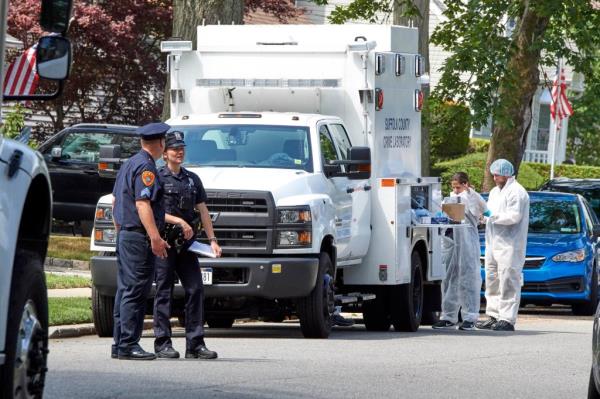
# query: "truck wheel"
102,311
376,315
589,308
315,310
24,371
406,300
431,304
220,322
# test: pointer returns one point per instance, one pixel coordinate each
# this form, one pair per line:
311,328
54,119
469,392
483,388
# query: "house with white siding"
538,147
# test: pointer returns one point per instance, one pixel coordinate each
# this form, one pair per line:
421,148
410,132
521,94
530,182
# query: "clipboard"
202,249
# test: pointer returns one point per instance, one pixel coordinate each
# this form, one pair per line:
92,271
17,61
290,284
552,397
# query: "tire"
589,308
592,390
406,300
376,315
102,311
86,227
27,323
432,302
315,310
220,322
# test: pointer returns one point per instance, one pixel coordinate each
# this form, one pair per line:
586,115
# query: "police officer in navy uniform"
184,197
139,216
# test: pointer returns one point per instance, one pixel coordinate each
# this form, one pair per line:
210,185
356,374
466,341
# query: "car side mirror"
56,153
596,230
53,57
359,167
331,169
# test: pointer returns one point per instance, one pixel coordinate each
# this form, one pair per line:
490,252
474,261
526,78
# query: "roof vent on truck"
240,115
268,82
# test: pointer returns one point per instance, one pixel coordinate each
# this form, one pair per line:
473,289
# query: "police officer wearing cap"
184,197
139,217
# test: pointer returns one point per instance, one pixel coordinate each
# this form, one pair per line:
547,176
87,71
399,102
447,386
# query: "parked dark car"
588,188
72,156
561,264
594,384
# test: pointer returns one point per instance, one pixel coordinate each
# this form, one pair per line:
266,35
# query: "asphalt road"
549,356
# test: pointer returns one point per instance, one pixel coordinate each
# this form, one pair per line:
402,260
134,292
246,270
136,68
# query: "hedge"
449,125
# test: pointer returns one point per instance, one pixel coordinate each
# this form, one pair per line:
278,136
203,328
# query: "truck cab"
308,144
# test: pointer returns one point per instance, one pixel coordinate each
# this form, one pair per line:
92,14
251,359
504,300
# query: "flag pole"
553,122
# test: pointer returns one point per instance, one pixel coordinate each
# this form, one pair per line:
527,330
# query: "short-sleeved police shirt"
182,192
138,180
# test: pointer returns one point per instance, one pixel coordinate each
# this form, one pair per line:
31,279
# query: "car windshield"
258,146
548,216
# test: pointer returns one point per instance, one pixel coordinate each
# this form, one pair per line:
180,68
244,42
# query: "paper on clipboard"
202,249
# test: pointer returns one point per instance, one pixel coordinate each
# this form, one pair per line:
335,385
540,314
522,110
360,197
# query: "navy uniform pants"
186,265
135,262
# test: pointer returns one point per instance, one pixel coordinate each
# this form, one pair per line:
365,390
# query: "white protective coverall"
505,244
461,288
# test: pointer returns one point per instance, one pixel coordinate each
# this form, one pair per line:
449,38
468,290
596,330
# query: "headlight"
294,239
103,236
572,256
104,213
294,215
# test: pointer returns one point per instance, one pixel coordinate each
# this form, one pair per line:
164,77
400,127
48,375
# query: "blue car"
561,265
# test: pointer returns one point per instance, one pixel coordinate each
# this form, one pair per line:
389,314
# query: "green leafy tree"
14,122
584,125
496,71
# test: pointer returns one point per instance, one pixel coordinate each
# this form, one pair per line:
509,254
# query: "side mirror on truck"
109,160
358,164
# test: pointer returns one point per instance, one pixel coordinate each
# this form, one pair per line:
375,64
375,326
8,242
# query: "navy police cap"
174,140
153,130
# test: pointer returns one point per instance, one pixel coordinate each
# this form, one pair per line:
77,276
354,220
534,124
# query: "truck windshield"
257,146
552,216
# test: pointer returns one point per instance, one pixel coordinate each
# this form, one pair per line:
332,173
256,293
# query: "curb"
67,264
80,330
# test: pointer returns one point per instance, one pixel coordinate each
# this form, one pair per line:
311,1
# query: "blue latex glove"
487,213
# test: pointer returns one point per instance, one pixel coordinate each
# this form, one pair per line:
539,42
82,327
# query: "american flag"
560,107
21,77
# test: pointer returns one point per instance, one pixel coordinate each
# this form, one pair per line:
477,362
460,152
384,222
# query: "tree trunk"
189,14
422,23
517,88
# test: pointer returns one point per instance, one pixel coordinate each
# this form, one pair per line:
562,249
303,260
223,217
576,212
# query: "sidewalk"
70,293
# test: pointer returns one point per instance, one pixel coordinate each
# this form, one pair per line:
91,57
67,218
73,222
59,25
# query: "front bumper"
269,278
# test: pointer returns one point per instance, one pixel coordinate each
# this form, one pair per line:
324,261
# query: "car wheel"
102,312
589,308
24,371
592,390
315,309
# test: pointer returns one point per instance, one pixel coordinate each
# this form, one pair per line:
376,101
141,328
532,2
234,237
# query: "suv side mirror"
596,230
53,57
359,167
56,153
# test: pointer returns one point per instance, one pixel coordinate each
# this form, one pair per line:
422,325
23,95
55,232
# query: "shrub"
571,171
478,145
449,125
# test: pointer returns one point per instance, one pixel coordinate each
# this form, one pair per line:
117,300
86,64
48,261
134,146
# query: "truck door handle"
367,187
349,190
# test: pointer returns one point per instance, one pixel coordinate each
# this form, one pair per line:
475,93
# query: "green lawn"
65,247
63,311
54,281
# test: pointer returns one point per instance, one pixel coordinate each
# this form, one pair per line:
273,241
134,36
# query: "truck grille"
243,221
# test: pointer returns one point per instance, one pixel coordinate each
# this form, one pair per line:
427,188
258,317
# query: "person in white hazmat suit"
461,288
505,243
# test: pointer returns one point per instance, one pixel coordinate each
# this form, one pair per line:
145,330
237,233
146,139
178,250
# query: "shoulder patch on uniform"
148,178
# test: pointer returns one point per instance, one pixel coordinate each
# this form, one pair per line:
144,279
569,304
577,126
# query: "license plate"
207,275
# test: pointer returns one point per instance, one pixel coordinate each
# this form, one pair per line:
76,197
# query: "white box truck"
25,221
307,140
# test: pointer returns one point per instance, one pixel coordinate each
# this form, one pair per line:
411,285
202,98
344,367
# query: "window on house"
543,132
